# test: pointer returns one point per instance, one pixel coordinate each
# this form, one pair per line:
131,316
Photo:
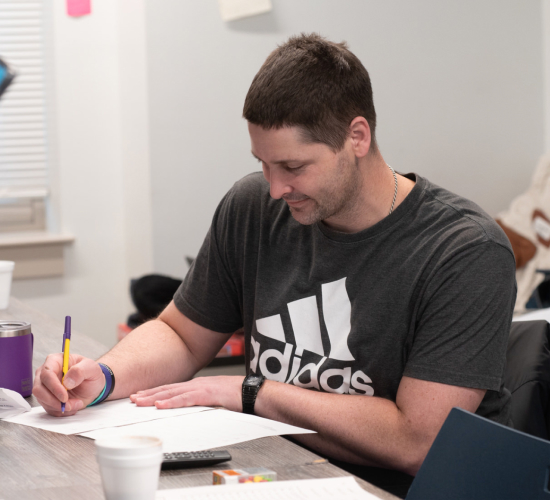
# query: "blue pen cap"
67,333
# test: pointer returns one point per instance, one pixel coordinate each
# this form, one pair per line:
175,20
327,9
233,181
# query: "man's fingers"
80,371
45,396
154,390
203,391
179,401
81,384
150,400
52,405
177,395
71,407
50,377
160,392
144,394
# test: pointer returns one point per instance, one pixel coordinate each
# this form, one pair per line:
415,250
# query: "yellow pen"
66,344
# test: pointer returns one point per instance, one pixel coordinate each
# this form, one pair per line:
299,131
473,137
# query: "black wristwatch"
251,387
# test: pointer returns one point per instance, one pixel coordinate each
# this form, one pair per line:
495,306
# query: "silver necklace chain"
394,191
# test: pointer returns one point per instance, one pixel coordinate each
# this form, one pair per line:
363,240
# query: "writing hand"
223,391
83,382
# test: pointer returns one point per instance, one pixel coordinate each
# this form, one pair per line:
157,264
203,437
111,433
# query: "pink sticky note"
76,8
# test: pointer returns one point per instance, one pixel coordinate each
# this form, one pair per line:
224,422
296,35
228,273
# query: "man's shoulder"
252,192
248,202
250,186
463,216
246,193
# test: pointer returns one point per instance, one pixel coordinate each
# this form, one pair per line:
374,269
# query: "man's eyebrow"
278,162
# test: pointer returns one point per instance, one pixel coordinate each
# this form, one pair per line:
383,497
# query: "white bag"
529,216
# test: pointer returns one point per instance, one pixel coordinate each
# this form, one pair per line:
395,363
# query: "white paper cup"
129,466
6,272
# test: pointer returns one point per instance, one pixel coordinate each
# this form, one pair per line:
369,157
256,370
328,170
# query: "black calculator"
187,459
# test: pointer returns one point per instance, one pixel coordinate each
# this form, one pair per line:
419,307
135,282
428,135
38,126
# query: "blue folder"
475,458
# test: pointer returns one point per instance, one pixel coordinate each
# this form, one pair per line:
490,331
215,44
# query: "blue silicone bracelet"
109,385
98,399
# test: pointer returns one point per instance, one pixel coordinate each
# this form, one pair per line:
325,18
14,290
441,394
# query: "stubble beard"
339,197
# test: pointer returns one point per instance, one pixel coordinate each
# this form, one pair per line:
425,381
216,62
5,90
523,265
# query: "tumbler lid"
14,328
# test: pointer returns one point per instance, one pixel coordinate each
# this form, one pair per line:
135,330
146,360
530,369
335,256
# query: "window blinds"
23,153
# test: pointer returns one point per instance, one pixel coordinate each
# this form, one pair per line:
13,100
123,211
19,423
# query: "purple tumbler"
16,342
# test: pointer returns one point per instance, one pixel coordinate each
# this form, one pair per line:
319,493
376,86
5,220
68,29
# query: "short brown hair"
314,84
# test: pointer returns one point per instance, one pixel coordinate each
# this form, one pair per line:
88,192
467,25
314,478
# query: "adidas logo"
306,325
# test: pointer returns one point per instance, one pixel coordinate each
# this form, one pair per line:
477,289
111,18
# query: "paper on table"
12,403
110,414
302,489
201,432
232,10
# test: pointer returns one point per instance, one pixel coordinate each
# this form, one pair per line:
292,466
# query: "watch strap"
250,392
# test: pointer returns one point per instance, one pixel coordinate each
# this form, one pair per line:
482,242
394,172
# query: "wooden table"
37,464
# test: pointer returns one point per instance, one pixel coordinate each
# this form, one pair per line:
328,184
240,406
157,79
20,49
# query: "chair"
527,376
475,458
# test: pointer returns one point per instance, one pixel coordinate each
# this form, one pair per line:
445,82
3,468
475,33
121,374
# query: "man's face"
316,183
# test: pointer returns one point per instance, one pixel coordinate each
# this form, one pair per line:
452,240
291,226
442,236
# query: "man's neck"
375,197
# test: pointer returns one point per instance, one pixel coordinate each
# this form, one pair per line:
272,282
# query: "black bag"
151,294
527,376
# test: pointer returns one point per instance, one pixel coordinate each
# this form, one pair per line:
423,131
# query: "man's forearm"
358,429
149,356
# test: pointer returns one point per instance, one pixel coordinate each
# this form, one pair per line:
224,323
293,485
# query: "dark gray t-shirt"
427,292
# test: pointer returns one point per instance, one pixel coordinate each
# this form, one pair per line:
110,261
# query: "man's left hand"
223,391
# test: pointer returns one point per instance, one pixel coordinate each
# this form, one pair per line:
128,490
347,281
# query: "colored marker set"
249,475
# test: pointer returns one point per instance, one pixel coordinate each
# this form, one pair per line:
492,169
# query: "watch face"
252,380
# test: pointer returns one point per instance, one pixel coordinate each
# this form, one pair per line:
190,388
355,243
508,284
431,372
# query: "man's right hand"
83,384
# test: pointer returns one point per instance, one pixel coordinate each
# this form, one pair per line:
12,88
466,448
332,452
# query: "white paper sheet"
203,431
303,489
231,10
12,404
109,414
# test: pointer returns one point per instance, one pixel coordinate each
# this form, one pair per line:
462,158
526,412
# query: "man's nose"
278,183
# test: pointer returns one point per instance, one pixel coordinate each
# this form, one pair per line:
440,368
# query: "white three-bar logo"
306,325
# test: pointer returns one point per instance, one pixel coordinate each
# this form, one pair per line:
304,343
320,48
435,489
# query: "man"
373,302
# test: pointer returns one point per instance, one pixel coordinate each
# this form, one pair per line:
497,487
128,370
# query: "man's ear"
360,136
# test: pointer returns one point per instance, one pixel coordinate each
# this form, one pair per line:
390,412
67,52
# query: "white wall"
458,88
101,177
